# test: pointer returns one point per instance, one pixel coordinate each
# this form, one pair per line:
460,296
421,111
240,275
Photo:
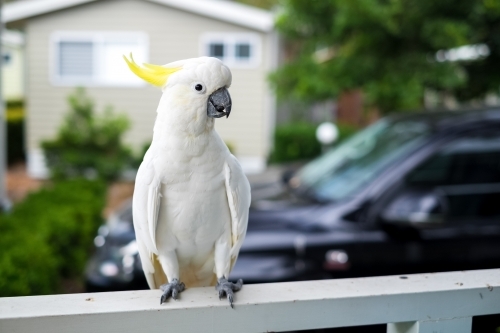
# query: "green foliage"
88,145
49,236
385,48
264,4
297,141
483,76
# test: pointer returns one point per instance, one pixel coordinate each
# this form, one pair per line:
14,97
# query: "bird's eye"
200,88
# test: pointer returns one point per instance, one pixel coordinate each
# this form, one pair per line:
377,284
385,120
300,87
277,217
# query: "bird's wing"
238,195
145,208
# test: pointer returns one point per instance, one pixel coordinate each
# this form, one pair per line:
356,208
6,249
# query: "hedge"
49,236
297,141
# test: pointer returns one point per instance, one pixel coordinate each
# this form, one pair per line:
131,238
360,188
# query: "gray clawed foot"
224,287
171,289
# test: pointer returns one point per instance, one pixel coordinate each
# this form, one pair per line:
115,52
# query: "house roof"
222,10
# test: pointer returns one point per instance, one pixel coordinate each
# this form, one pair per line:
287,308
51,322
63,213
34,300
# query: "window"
341,172
243,51
217,50
75,59
237,50
469,160
95,58
467,172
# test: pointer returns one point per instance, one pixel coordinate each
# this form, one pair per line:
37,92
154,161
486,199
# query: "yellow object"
154,74
15,113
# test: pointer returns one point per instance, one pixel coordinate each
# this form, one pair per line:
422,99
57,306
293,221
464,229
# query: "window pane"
467,173
75,59
217,50
114,71
471,160
342,172
243,51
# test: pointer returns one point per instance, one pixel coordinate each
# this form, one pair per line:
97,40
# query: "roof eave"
21,10
224,10
235,13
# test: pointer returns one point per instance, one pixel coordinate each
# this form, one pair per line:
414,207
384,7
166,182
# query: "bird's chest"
194,204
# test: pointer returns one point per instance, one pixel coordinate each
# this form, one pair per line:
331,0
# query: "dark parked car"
411,193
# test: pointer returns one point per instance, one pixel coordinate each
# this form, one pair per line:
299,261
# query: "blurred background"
369,130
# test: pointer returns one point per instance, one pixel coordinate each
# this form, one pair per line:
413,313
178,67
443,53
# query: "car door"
448,207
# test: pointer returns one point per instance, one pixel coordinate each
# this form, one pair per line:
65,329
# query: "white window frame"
229,40
98,39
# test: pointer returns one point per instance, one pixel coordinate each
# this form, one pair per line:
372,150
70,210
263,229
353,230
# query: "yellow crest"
154,74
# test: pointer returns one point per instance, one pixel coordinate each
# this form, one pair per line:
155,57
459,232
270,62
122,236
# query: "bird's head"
192,89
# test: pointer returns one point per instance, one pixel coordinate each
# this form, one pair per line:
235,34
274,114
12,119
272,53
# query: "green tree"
88,145
483,76
264,4
386,48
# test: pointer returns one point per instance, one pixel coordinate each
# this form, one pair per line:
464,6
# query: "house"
13,65
72,43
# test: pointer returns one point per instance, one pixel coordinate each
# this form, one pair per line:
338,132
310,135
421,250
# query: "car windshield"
345,169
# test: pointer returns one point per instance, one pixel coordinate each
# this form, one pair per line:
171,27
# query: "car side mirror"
417,208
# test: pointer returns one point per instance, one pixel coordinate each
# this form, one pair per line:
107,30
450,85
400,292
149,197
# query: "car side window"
469,160
467,172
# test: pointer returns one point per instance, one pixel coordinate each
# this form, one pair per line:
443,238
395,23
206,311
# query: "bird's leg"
222,268
224,287
170,266
171,289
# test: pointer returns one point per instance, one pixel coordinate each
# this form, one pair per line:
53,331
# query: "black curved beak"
219,103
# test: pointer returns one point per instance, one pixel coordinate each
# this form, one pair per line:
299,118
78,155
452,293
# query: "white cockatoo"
191,197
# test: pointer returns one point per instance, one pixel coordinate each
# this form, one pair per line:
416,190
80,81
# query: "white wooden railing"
443,302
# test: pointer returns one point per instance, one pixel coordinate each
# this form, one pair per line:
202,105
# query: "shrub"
297,141
28,266
88,145
49,236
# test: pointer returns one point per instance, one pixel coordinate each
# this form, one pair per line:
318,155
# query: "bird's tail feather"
187,275
158,277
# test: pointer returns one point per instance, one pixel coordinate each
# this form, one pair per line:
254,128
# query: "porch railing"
441,302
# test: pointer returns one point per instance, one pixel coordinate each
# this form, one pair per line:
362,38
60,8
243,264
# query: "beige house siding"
13,72
173,35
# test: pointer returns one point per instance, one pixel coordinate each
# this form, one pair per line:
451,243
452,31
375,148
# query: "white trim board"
221,10
440,302
239,14
24,9
12,37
